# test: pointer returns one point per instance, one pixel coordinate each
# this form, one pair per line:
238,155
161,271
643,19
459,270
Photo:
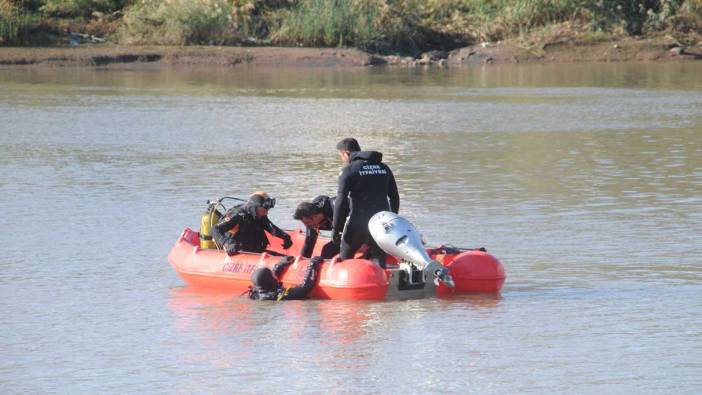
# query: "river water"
584,180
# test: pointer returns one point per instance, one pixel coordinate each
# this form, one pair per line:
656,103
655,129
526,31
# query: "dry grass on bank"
381,26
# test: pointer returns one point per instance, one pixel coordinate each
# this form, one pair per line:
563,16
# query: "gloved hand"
231,248
287,242
286,260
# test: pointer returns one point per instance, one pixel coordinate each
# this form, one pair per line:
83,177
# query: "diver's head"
260,202
310,214
263,278
346,147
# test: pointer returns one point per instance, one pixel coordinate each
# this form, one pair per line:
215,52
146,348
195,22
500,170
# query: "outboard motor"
398,237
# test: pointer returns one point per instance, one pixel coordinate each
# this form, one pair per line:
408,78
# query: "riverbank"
108,55
555,50
317,33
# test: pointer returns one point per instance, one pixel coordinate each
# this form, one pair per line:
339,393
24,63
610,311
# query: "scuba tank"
208,219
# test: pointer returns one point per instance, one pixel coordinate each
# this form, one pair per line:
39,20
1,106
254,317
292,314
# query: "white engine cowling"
399,238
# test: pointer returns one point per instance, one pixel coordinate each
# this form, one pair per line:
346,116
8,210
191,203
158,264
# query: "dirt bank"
107,55
568,50
555,50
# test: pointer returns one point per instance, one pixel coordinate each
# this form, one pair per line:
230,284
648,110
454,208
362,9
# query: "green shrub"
254,18
377,25
498,19
76,8
526,14
179,22
15,24
381,25
367,24
493,20
320,22
693,6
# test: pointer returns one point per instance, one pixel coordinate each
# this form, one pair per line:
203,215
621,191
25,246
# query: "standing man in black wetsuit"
317,215
369,186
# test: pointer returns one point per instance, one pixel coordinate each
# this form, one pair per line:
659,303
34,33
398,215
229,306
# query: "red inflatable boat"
351,279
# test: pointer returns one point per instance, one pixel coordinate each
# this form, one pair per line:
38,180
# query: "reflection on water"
348,83
334,336
585,180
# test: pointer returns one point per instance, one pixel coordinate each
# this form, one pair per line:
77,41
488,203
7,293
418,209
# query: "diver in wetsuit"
242,227
317,215
369,186
267,287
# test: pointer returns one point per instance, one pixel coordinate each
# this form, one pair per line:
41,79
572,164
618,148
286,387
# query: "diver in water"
242,227
369,186
266,285
317,215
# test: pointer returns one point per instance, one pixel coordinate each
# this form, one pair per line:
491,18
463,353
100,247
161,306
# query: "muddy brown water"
584,180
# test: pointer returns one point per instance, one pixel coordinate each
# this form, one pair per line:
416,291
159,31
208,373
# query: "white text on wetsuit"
368,170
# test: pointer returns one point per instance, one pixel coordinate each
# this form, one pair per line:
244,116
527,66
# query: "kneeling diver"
242,227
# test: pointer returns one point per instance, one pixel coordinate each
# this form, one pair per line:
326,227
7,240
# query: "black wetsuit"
250,234
370,186
330,249
281,293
